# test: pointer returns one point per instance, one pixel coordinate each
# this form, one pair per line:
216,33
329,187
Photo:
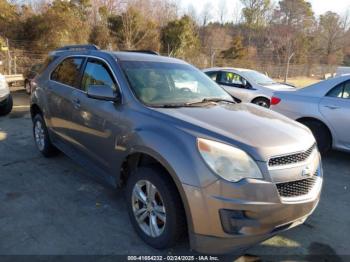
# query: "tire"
28,87
6,107
167,199
321,133
262,101
41,137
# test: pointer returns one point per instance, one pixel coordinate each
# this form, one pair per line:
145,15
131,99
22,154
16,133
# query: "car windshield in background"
162,84
259,78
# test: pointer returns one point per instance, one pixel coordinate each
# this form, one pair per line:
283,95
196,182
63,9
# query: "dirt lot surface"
50,206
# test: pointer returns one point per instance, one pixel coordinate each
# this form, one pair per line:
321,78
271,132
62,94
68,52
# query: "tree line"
262,32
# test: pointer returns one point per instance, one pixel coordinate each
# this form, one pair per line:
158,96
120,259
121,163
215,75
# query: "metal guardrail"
14,78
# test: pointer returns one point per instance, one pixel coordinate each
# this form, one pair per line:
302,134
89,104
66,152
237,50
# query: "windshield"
159,84
259,77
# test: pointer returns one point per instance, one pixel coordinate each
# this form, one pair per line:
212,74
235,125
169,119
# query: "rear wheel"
6,106
321,133
41,137
262,101
155,208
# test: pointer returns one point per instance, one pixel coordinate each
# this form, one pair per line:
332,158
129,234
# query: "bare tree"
346,20
222,11
255,12
332,35
236,13
191,12
206,13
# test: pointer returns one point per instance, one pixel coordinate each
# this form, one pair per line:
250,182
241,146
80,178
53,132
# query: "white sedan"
5,97
246,85
323,107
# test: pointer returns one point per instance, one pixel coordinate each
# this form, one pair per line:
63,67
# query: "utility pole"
287,67
15,65
212,57
8,57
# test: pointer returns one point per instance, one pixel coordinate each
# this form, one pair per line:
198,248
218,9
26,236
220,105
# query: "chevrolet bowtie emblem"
306,172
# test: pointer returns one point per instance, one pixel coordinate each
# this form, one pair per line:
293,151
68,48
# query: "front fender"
178,155
176,150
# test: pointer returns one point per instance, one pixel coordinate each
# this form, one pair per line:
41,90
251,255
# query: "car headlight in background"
230,163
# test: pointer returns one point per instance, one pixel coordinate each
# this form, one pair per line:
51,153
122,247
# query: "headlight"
231,163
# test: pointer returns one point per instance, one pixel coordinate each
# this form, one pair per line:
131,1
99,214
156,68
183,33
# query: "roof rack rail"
150,52
77,48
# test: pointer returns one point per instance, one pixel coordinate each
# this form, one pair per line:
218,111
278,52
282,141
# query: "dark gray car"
192,161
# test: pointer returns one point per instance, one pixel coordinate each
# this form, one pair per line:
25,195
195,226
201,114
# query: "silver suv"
5,97
192,161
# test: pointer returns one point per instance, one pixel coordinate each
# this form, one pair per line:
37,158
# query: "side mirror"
102,92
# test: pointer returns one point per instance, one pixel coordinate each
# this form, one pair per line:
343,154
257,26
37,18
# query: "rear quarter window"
336,91
67,72
46,63
212,74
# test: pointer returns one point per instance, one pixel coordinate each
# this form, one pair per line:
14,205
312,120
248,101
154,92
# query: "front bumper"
231,217
224,245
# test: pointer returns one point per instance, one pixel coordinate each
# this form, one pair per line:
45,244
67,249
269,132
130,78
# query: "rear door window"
231,79
67,72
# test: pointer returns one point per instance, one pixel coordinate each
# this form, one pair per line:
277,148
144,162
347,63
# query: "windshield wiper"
172,105
208,100
190,104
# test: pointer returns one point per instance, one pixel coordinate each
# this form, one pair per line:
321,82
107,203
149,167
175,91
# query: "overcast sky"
319,6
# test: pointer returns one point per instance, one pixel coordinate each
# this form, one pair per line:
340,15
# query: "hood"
260,132
279,87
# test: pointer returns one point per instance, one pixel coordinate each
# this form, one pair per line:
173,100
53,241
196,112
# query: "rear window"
67,72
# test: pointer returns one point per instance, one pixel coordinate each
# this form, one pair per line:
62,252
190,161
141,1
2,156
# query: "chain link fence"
20,61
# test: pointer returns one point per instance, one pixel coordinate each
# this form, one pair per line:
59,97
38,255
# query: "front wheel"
155,208
261,101
6,106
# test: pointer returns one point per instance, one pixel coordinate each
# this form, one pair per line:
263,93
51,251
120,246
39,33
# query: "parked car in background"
159,127
324,107
5,97
29,76
247,85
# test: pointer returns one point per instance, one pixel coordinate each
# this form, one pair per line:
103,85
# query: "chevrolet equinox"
191,160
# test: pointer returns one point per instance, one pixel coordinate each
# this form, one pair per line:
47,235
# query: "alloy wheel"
148,208
39,134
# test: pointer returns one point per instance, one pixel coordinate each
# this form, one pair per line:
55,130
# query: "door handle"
76,102
332,107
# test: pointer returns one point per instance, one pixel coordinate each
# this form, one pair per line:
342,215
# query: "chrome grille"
291,159
296,188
